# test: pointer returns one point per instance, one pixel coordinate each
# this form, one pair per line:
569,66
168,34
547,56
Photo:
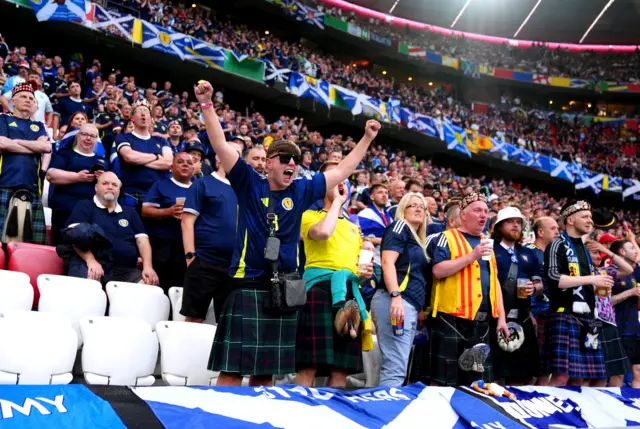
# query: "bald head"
108,189
546,230
432,206
398,190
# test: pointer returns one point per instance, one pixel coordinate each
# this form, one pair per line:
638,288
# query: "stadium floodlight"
527,18
604,9
460,13
394,6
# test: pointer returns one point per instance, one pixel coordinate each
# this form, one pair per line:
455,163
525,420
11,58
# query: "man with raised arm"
251,338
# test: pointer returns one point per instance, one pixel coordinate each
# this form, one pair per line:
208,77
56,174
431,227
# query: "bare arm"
617,299
5,103
228,156
389,258
41,145
61,177
131,156
151,212
86,256
323,229
448,268
567,282
348,165
188,237
376,241
144,248
45,161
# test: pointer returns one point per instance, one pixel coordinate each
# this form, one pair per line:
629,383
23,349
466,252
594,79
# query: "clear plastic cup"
180,201
366,256
490,241
522,288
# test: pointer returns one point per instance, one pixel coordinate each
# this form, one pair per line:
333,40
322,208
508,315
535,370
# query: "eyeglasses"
93,136
285,159
416,206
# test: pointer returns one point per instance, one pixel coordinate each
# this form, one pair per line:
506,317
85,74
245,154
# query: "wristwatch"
394,294
189,255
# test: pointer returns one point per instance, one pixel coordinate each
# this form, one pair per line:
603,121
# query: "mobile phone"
95,168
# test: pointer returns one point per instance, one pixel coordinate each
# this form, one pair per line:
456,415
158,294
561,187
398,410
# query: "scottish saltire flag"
60,10
393,109
501,149
272,74
589,180
307,14
203,53
456,139
407,118
425,124
122,24
611,183
165,40
631,189
308,87
561,169
360,103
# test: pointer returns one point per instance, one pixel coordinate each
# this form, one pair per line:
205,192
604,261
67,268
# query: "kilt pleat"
38,225
318,345
251,339
446,346
615,357
562,352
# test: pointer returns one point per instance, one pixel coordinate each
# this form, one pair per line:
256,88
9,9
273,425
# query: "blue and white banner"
631,189
165,40
272,74
561,170
60,10
456,138
308,87
386,41
203,53
303,13
589,180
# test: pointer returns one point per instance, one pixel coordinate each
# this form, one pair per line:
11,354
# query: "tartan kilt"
318,344
562,352
37,214
615,357
446,346
252,340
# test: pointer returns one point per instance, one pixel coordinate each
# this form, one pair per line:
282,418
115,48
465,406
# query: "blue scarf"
574,265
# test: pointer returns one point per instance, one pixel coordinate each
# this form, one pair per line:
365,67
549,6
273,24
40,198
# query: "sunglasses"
285,159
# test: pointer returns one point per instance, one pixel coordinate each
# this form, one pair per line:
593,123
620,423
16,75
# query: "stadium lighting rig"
604,9
527,18
453,24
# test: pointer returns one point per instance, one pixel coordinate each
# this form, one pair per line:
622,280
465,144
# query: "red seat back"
33,260
2,259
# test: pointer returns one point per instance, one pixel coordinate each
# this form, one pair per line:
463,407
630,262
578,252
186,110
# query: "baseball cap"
192,146
24,64
607,239
283,147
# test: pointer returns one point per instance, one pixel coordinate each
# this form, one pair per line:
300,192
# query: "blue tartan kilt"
562,352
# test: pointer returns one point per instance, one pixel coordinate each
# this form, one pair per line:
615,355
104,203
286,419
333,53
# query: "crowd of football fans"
607,149
149,169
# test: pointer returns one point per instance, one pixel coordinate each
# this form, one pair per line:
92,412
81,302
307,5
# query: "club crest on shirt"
287,203
123,223
34,128
525,257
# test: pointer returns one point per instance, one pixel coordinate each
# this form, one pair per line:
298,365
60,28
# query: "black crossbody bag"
288,292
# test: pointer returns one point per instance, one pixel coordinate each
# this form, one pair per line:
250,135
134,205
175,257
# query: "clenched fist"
371,128
203,91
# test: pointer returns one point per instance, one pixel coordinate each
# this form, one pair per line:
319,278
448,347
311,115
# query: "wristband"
206,105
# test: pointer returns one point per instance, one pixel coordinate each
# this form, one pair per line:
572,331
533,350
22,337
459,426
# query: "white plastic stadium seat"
16,292
47,216
72,296
138,301
175,296
118,351
184,353
37,348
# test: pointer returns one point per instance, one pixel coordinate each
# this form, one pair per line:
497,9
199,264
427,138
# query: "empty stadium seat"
139,301
34,259
37,348
16,292
184,353
75,297
118,351
175,296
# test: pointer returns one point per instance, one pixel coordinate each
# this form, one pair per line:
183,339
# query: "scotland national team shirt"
442,253
65,197
213,201
138,178
19,170
67,106
252,191
539,304
122,226
160,127
410,264
527,262
163,194
626,311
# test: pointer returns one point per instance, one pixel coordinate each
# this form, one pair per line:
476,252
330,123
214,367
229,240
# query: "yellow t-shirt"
339,252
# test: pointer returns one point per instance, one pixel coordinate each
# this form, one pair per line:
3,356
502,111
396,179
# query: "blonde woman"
402,293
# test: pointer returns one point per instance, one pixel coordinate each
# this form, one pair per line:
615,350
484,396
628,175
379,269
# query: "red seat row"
33,260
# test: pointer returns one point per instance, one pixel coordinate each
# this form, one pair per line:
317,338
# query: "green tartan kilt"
37,215
318,344
251,339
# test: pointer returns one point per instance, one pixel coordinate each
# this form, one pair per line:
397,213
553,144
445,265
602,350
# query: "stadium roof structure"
566,21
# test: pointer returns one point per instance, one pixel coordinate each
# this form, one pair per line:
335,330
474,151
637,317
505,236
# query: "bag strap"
271,224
